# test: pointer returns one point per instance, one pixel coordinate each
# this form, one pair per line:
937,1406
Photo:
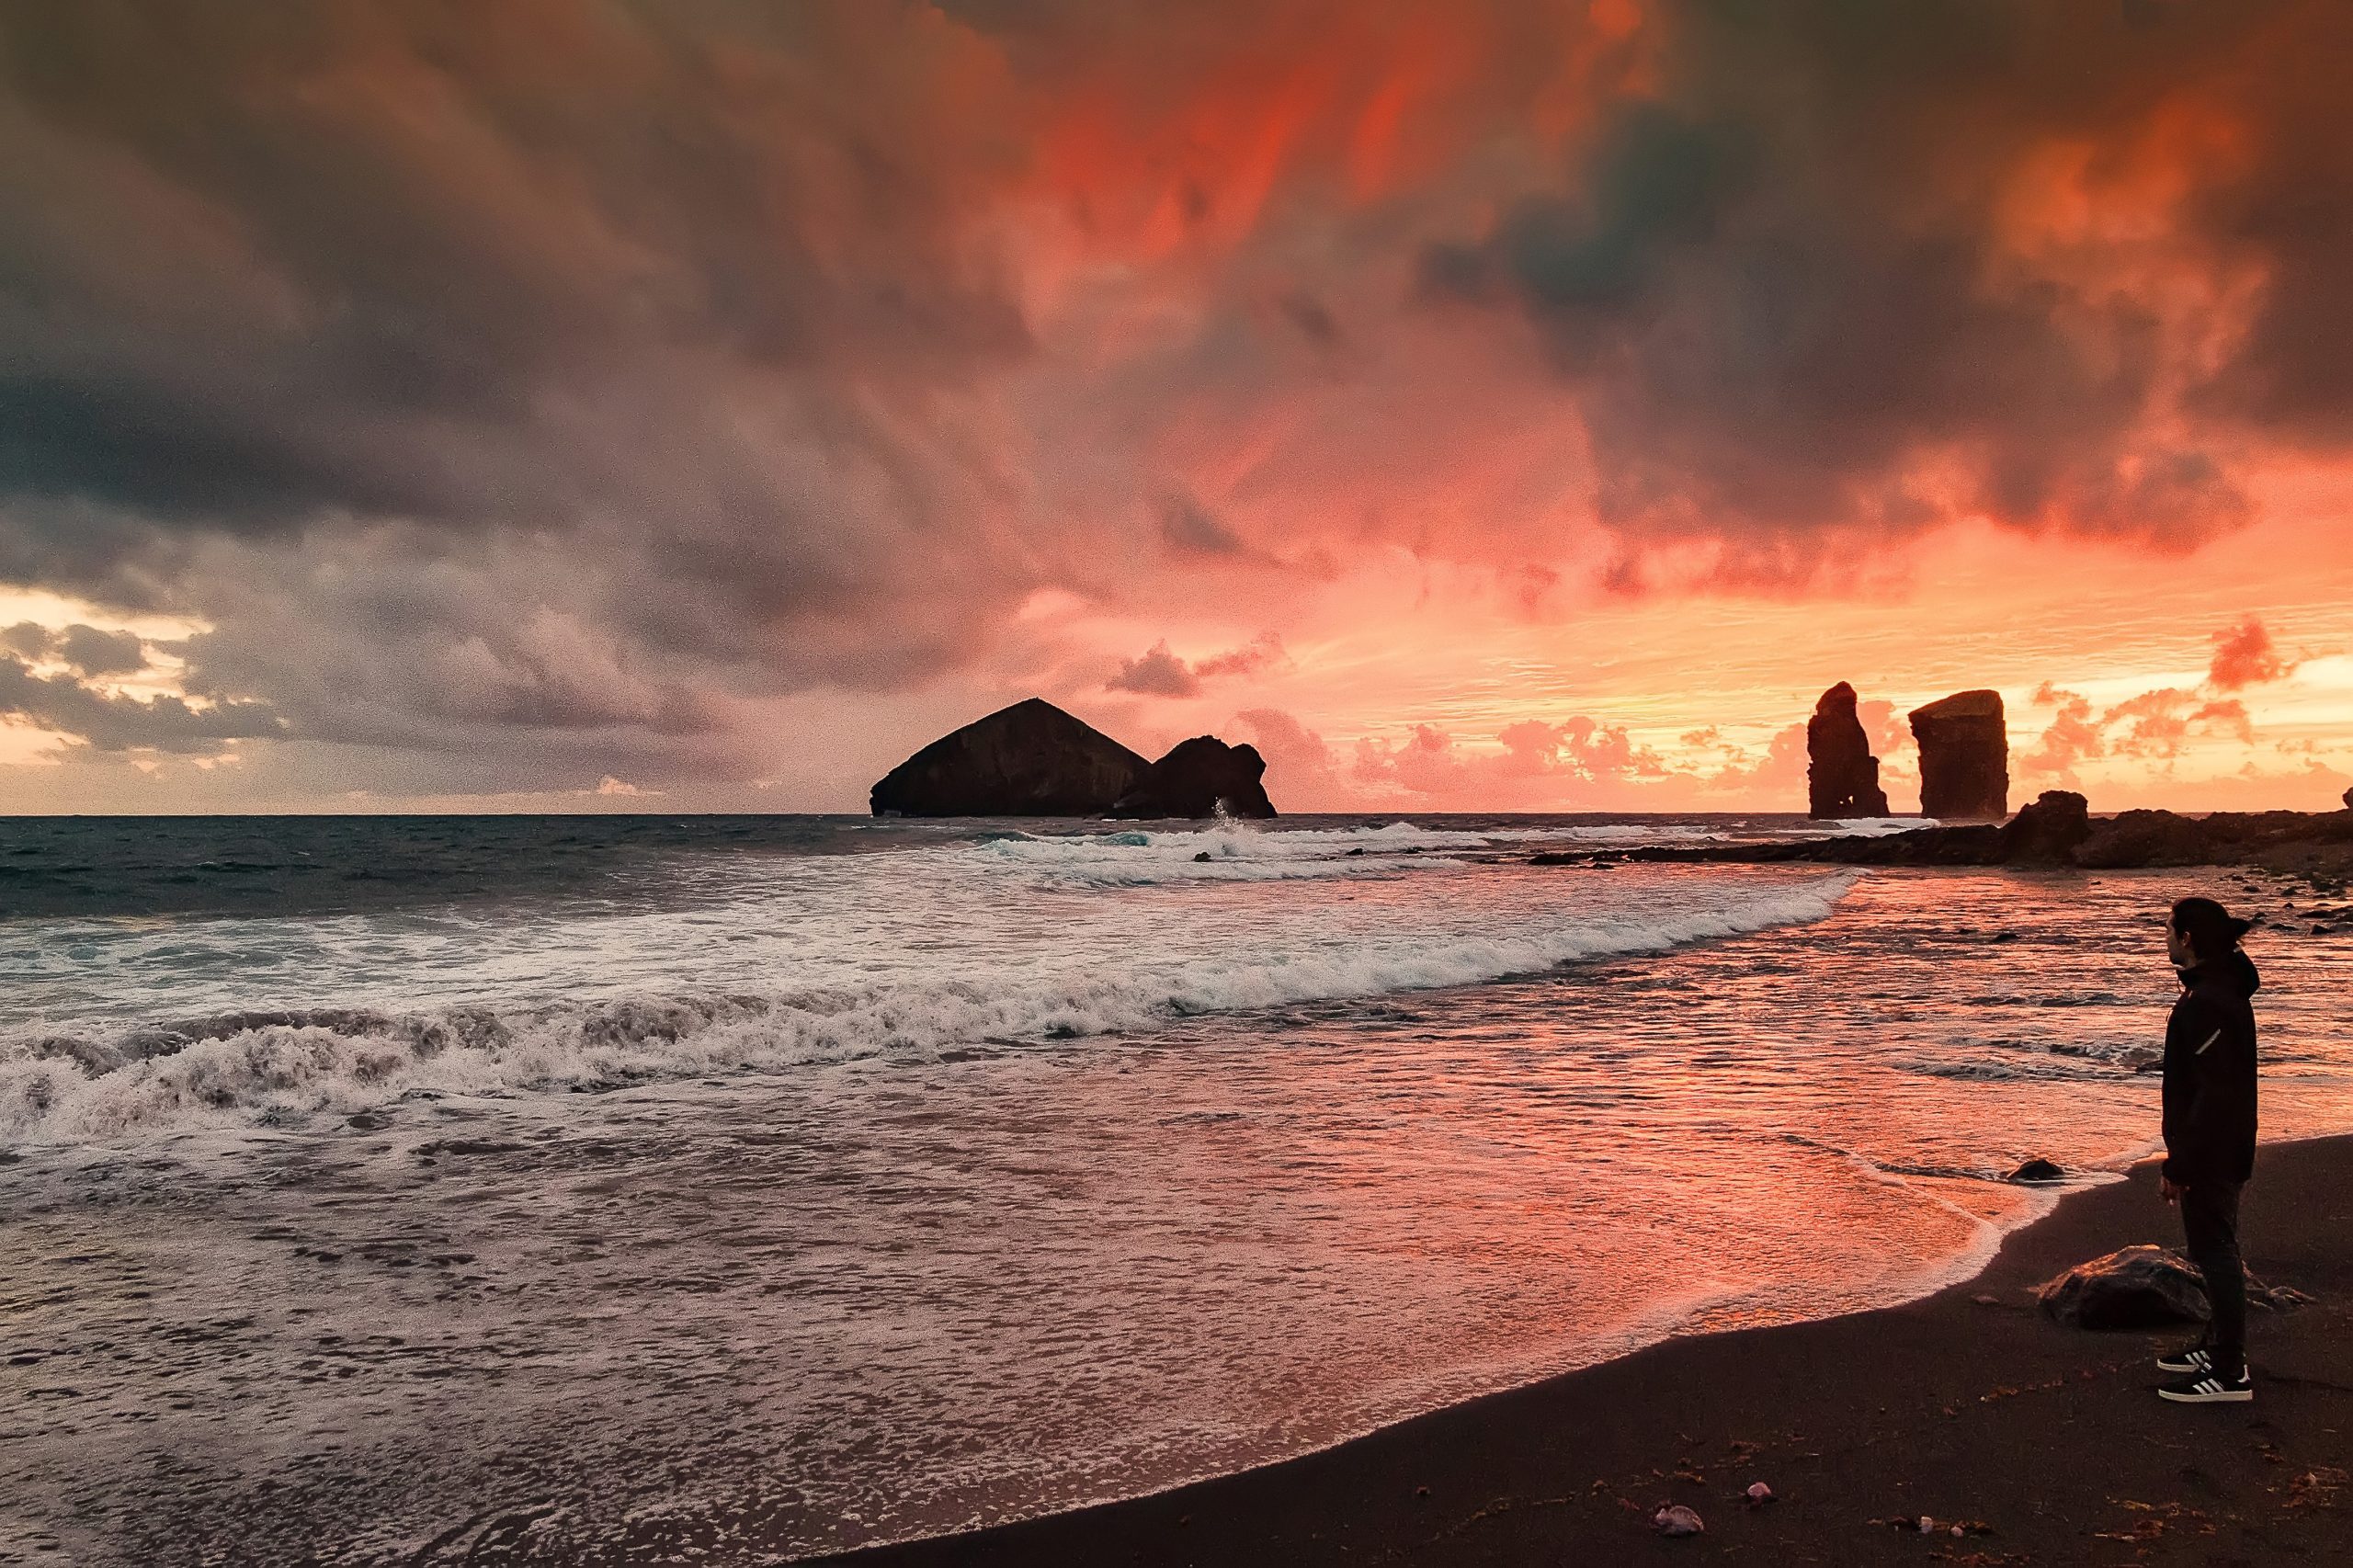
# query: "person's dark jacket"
2210,1075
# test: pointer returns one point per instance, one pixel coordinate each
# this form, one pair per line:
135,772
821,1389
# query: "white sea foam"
715,990
1880,827
1244,852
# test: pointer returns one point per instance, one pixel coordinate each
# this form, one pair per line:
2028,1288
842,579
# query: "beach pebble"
1677,1519
2038,1170
1758,1495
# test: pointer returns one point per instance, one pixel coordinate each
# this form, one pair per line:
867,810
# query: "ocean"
382,1191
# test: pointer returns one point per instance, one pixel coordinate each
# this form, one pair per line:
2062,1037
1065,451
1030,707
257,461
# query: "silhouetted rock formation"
1964,757
2057,829
1031,759
1841,774
2165,839
1199,777
2047,831
2152,838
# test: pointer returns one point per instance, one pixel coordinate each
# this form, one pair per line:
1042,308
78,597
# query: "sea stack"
1029,760
1841,774
1964,757
1200,777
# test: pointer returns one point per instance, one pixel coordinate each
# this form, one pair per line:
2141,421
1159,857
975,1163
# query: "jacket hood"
2236,973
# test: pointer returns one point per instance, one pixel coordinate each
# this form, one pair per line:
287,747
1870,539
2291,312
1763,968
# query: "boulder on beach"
2038,1170
2047,831
1965,756
2147,1286
2137,1286
1841,774
1199,777
1031,759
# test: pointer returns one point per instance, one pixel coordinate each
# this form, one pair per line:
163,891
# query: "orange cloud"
2245,656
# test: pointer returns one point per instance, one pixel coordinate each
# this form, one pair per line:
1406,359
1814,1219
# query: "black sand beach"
1967,1406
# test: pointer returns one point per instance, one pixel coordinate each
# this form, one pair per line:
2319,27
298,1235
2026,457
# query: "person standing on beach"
2209,1136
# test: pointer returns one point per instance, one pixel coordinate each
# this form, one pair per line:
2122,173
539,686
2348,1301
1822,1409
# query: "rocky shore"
2058,829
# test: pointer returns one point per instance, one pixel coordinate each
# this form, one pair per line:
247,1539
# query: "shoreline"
1965,1403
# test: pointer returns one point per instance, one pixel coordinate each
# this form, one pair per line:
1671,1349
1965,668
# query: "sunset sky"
701,404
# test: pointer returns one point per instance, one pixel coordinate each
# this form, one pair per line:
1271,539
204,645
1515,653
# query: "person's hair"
2213,930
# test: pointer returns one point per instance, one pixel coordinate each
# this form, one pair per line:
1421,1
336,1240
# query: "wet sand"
1967,1405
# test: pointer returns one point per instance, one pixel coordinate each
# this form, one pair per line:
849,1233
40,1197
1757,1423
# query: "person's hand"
2169,1189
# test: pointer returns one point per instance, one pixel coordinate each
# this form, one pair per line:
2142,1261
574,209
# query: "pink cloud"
2245,656
1160,673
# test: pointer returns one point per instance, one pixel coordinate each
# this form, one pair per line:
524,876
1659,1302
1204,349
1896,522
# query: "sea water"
383,1190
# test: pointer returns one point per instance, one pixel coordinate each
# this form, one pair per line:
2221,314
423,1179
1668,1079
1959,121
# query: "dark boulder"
1029,760
2038,1171
2147,1286
1200,777
1841,774
2047,831
2149,838
1965,756
2141,1286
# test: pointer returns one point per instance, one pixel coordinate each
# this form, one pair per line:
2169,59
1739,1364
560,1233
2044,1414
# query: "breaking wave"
240,1068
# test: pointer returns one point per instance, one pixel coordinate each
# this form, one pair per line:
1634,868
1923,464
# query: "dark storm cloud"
1783,280
113,722
88,651
554,379
85,650
1188,528
678,285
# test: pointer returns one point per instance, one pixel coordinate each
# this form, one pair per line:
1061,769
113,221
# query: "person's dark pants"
2209,1219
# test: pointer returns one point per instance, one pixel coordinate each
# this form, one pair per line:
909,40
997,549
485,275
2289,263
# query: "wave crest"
234,1068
